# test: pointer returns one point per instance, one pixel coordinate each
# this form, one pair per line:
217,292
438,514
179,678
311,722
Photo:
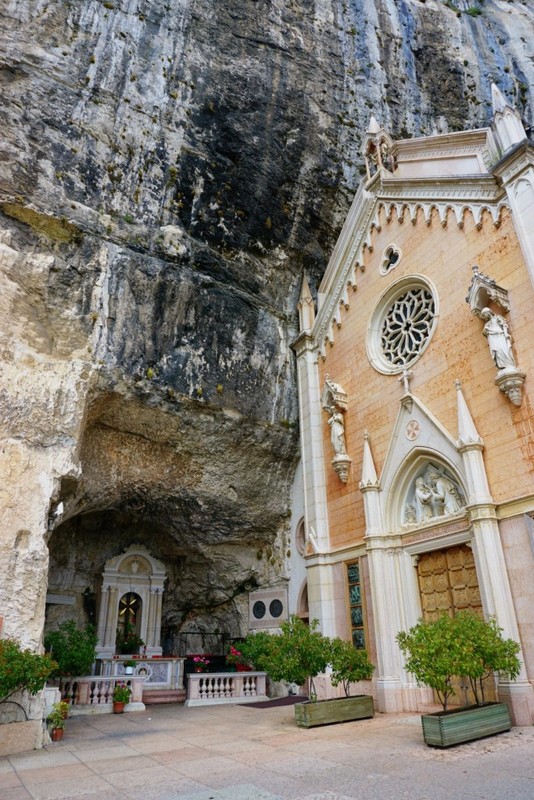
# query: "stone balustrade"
94,694
225,687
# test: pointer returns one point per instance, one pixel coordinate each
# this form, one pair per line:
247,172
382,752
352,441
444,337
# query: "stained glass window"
356,607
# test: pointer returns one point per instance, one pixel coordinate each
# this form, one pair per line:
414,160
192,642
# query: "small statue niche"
334,401
484,292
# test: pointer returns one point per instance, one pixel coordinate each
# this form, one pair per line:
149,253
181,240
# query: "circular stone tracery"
402,324
407,326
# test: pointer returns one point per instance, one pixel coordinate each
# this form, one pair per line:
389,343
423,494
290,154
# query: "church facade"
415,371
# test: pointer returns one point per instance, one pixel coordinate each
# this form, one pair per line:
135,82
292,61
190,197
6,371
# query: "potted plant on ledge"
461,646
235,659
127,641
121,696
56,720
297,655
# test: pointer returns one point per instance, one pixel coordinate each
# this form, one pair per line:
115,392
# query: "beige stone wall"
458,349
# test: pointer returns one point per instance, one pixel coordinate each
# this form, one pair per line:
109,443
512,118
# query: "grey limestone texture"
168,172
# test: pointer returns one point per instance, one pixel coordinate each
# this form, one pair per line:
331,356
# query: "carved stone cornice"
482,511
304,343
513,163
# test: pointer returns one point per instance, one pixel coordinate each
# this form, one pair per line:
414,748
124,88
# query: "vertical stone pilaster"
494,585
315,508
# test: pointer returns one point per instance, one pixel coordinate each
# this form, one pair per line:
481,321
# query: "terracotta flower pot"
118,708
56,734
198,669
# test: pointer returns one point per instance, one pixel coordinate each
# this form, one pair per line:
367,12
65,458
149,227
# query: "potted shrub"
200,663
297,655
56,720
461,646
121,696
235,659
129,667
21,669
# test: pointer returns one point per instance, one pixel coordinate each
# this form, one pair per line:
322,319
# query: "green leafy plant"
121,693
297,654
348,664
129,663
127,640
73,648
56,718
235,656
21,669
465,645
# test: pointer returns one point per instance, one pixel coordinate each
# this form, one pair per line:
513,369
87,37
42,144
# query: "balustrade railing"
90,692
225,687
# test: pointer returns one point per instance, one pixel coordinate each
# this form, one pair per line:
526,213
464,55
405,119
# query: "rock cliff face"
169,171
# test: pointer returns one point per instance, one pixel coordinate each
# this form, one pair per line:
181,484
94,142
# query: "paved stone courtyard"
240,753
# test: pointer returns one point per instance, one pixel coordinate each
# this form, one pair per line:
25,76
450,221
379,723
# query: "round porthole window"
259,609
402,325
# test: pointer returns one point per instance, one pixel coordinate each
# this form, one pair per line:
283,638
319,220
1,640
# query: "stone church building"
415,380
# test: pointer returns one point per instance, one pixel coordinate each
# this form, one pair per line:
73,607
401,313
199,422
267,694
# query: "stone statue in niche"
432,495
334,402
509,379
497,332
337,431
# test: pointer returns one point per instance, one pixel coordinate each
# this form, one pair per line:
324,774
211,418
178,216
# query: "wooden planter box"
465,724
327,712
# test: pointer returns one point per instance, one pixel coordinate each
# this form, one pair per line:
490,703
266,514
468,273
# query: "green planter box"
327,712
466,724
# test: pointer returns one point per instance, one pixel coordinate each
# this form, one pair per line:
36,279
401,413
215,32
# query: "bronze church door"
448,583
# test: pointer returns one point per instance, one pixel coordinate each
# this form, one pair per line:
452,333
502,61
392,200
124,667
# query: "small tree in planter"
464,645
298,654
349,665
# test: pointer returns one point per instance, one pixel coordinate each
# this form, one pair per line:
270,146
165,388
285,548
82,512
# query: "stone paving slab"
240,753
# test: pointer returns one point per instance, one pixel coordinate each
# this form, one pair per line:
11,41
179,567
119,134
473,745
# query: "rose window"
407,326
402,324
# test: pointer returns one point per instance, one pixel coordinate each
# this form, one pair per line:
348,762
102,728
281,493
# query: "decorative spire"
498,100
374,126
467,433
506,123
306,307
369,477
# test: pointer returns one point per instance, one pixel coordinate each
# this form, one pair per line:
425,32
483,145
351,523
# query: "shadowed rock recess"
168,172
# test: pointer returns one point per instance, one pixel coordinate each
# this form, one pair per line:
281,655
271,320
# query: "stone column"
383,554
494,585
111,619
319,573
102,618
